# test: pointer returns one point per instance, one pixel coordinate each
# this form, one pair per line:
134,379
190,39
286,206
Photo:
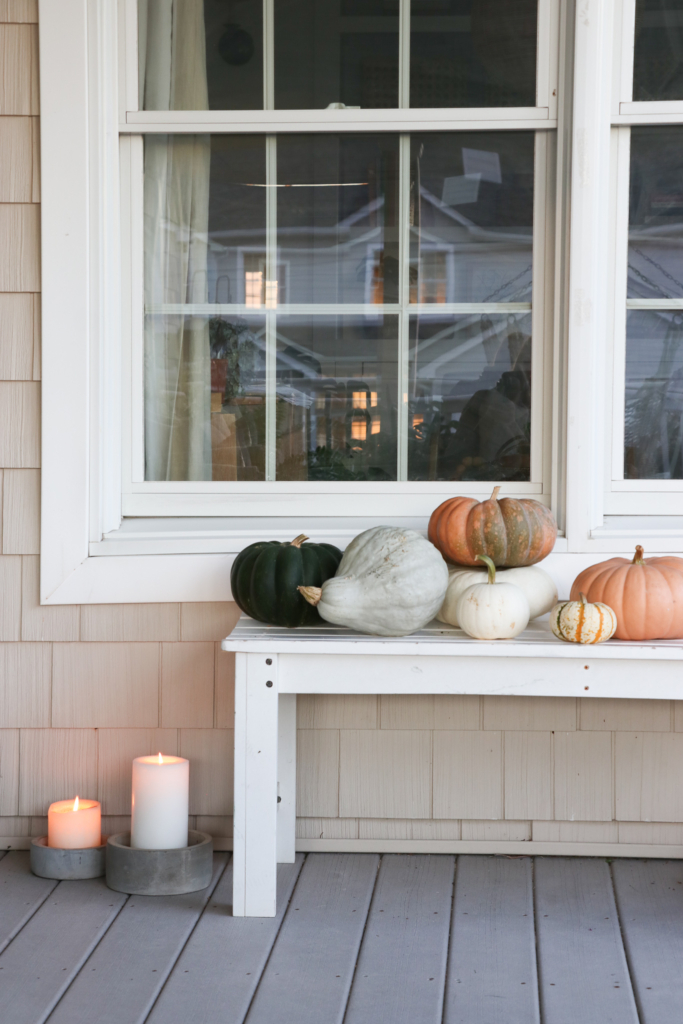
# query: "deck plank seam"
52,1006
533,919
448,944
625,945
273,944
362,937
22,924
171,966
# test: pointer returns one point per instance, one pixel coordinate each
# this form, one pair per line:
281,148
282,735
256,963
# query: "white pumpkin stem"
490,567
311,594
298,541
496,492
638,557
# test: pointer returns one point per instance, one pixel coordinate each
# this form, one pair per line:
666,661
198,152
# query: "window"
348,305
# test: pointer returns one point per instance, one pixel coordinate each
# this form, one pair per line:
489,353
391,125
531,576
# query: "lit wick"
161,760
76,804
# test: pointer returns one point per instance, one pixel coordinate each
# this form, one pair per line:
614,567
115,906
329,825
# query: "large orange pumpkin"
645,593
511,532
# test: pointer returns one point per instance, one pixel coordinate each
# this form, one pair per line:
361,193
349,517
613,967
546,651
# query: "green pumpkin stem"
494,496
490,566
638,557
311,594
584,599
298,541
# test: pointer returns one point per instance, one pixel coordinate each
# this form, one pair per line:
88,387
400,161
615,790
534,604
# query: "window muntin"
658,52
343,53
340,239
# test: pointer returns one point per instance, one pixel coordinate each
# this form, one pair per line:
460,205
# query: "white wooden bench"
273,665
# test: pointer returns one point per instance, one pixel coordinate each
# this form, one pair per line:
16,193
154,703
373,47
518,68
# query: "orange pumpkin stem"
638,557
298,541
496,492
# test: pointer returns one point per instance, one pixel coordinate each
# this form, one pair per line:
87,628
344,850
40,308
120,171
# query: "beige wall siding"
85,690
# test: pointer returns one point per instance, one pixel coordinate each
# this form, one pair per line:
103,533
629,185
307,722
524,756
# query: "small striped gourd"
581,622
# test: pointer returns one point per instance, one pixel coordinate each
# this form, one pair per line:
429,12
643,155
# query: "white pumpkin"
492,610
390,582
583,621
535,583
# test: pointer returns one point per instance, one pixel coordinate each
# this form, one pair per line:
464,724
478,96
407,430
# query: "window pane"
472,204
469,397
337,218
336,51
658,58
473,53
653,445
196,55
337,389
655,256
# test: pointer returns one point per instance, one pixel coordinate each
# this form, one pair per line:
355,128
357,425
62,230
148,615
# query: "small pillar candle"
161,802
74,824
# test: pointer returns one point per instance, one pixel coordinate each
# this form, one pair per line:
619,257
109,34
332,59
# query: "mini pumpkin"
510,531
265,577
646,594
581,622
492,610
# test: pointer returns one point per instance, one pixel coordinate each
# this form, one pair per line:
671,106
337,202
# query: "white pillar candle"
161,802
74,824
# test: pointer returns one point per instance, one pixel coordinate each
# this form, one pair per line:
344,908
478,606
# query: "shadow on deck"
358,939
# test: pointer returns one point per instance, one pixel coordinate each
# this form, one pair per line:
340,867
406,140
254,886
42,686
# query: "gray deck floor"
358,939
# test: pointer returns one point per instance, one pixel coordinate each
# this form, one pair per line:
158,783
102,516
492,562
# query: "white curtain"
172,60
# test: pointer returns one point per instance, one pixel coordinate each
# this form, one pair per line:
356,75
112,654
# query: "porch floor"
358,939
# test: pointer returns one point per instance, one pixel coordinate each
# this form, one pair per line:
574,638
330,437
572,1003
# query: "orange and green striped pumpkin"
511,532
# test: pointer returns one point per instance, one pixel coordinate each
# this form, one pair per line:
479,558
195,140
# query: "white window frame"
89,555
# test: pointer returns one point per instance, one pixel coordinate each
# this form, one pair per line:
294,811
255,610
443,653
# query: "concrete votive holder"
66,865
159,872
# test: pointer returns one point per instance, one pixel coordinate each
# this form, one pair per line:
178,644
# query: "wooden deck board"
650,901
583,975
218,971
308,977
121,979
21,894
492,963
41,962
401,969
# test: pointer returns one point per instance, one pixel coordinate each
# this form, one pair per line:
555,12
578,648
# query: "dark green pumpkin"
265,577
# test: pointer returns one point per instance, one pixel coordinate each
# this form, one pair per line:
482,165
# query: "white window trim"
81,529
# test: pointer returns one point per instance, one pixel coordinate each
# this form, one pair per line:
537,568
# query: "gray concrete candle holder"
51,862
159,872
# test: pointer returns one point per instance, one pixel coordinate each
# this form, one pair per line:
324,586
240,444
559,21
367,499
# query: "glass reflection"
655,252
336,52
472,206
196,55
473,53
337,389
653,443
469,397
337,218
658,57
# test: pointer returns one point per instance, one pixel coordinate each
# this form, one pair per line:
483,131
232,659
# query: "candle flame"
161,760
76,804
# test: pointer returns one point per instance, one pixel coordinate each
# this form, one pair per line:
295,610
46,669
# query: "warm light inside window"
375,425
253,287
417,420
359,430
360,399
373,399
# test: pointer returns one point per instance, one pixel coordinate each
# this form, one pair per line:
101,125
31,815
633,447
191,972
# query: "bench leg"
286,788
255,806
